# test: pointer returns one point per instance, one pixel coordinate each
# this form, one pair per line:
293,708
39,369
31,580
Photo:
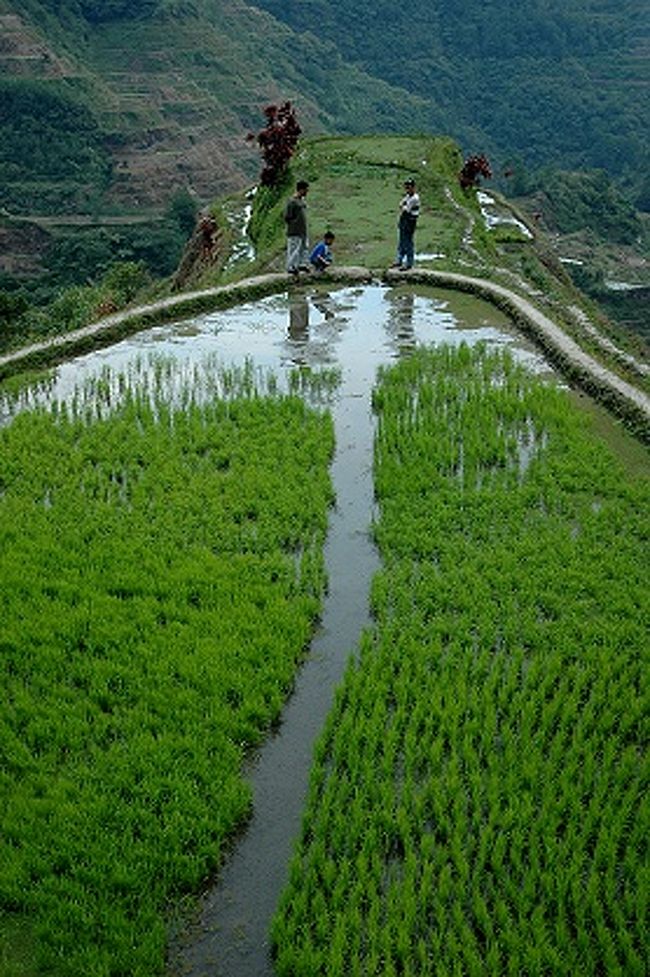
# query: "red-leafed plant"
474,167
277,141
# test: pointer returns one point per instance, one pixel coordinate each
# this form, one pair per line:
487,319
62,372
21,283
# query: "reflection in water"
298,329
361,329
314,342
298,318
399,323
355,329
323,302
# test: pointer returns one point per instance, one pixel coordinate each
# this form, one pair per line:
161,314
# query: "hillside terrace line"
620,396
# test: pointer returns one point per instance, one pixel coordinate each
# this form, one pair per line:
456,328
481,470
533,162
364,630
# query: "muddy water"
230,936
354,330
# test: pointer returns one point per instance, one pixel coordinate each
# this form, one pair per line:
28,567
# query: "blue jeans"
297,253
405,246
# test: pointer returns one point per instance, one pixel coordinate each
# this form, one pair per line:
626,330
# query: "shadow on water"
354,330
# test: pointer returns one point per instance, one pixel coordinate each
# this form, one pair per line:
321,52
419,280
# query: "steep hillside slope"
174,85
355,186
168,543
549,81
108,108
172,90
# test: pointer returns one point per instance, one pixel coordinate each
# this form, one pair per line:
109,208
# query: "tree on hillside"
589,199
473,169
277,141
97,11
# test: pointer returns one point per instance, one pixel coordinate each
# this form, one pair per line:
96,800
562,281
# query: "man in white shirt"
409,211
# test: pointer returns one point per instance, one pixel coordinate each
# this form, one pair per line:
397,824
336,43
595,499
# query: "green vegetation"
52,155
477,800
86,256
588,201
630,308
182,210
96,11
108,116
180,82
266,228
72,307
548,81
356,183
606,240
88,272
161,567
161,564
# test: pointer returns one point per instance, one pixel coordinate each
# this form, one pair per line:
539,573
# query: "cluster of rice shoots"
161,560
477,799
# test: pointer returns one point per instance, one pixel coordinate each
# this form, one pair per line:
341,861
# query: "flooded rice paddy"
352,331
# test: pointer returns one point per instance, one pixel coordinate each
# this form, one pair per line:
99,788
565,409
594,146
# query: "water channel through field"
354,330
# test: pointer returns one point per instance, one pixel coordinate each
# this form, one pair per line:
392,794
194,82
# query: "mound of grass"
356,183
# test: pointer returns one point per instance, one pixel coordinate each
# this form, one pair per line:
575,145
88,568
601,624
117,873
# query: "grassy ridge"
356,183
477,802
161,571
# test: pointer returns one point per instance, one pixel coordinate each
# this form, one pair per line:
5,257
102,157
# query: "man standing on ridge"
295,217
409,211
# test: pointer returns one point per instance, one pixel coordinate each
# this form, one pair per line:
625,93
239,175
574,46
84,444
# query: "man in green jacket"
295,217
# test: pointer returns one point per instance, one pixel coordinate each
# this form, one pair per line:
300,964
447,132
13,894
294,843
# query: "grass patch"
356,186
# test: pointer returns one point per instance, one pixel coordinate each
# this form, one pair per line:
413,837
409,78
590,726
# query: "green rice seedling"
161,576
499,695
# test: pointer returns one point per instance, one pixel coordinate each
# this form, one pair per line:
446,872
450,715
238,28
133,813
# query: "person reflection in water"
400,319
298,319
322,302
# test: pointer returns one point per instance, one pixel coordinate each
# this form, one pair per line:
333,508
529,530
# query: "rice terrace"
324,623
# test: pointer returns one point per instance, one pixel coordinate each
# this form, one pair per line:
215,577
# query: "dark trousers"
405,246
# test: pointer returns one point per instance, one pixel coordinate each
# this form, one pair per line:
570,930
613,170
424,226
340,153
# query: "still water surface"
351,329
354,330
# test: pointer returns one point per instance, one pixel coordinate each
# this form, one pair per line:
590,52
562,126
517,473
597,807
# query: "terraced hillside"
175,92
356,183
355,187
550,82
175,86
